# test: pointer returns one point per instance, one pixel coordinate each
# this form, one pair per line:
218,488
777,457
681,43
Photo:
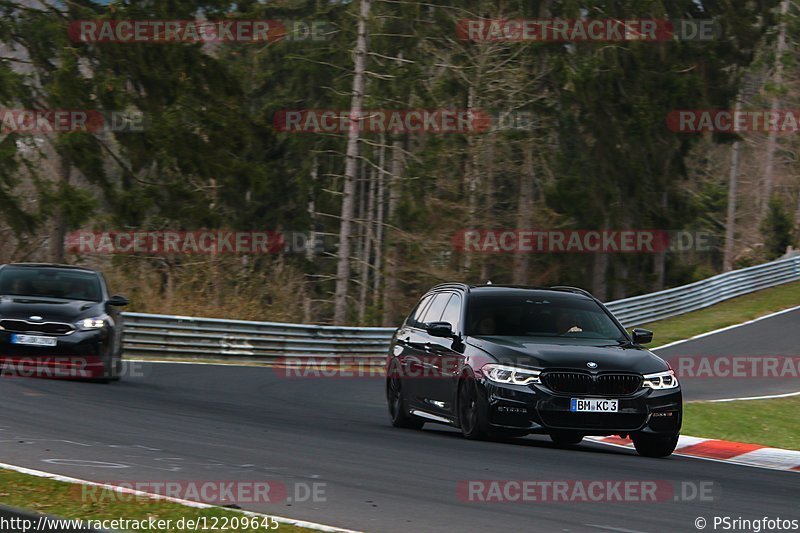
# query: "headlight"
660,380
91,323
510,374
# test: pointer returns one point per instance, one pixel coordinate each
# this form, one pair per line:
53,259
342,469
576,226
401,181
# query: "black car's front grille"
618,384
568,382
585,383
23,326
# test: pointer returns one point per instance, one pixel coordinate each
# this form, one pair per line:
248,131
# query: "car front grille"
585,383
23,326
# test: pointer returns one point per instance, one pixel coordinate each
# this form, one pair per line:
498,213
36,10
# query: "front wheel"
654,445
471,416
117,369
397,405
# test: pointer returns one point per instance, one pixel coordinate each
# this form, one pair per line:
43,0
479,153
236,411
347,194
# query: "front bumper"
536,409
80,355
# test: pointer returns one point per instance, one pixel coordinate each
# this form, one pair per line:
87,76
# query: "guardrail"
192,337
646,308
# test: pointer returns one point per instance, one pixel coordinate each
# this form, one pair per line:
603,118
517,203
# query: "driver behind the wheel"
567,322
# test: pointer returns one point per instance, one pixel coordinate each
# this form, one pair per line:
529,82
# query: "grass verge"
65,500
768,422
727,313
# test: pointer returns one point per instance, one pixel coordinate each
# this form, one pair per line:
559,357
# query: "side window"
415,318
434,312
452,312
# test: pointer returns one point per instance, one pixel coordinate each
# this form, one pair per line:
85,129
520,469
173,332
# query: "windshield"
50,283
523,314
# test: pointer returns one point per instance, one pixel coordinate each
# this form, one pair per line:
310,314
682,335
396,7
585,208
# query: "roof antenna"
488,282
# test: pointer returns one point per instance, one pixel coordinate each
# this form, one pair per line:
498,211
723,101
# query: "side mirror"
642,336
118,301
439,329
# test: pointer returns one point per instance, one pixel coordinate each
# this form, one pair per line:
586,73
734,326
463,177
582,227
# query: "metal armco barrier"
185,336
686,298
190,337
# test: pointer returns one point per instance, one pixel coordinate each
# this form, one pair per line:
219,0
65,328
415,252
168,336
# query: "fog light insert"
661,414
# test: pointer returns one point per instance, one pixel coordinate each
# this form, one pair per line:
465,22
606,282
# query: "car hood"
539,353
50,309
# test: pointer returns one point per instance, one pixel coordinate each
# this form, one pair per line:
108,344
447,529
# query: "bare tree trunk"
472,179
599,276
486,154
368,222
621,273
660,257
312,211
360,235
351,159
311,244
730,219
519,275
59,219
772,138
376,280
392,283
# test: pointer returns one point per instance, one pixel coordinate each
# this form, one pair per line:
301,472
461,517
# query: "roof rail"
567,288
451,285
47,265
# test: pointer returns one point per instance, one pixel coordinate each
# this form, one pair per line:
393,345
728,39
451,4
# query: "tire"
398,413
116,372
654,445
110,371
471,410
566,438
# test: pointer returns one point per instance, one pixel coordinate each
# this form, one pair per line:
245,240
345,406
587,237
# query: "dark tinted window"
452,312
434,312
50,283
414,319
525,314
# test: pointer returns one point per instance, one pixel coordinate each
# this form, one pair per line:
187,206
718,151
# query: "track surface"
778,335
194,422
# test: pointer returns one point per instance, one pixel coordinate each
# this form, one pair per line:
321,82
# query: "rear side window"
452,312
415,318
435,310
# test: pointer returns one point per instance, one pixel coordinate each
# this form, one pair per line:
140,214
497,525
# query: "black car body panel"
57,311
432,366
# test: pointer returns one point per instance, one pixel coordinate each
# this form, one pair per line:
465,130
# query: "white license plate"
593,405
33,340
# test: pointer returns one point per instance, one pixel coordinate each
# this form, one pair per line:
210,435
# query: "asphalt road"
193,422
178,422
709,364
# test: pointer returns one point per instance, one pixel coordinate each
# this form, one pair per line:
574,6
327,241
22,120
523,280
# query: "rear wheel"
654,445
471,415
565,438
397,405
